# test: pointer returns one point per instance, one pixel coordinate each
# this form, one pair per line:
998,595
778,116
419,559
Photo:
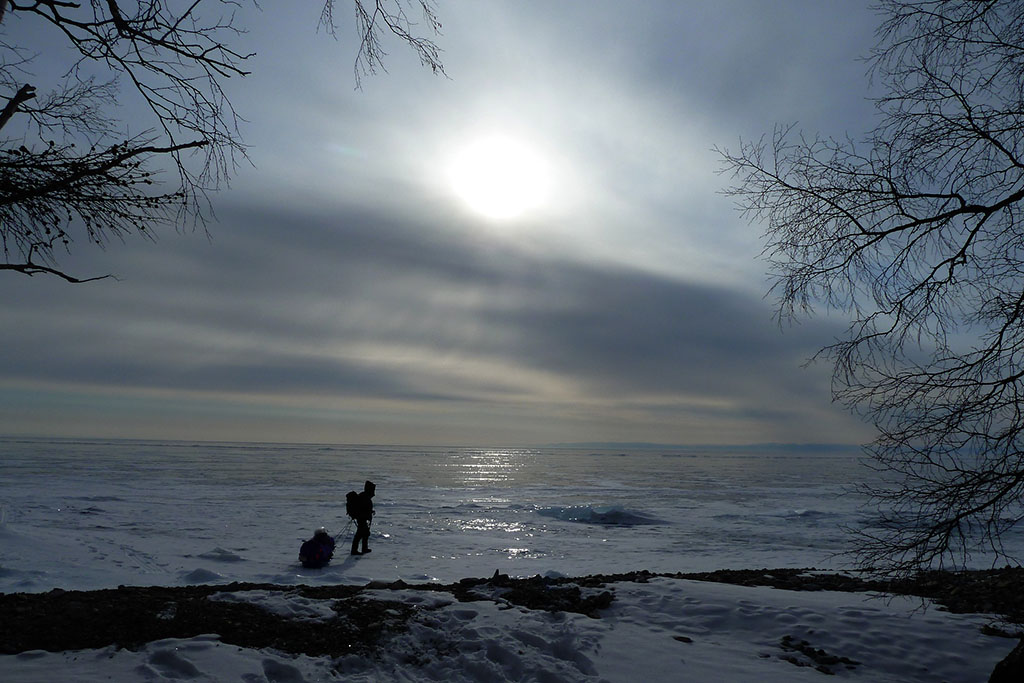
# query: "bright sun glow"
499,177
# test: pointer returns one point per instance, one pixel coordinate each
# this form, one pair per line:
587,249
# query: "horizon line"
600,445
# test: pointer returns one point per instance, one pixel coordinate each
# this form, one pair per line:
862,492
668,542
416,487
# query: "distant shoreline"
581,445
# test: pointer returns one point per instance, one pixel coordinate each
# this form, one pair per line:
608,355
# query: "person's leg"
362,534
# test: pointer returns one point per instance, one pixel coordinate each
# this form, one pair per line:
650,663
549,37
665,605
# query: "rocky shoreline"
129,617
985,591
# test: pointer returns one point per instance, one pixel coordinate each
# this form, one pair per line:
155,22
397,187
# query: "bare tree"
67,169
916,234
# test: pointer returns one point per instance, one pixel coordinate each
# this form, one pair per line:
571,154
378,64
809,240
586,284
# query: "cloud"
345,295
354,307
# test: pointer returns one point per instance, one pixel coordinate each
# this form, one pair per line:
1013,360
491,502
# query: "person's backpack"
312,555
352,504
317,551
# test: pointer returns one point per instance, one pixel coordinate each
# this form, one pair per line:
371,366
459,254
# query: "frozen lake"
94,514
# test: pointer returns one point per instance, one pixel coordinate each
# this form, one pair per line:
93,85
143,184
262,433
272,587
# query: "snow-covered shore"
194,518
649,628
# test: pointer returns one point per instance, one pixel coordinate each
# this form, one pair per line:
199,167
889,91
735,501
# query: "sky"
534,249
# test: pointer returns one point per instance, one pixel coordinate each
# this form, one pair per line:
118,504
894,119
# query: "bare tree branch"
67,168
31,269
374,21
24,94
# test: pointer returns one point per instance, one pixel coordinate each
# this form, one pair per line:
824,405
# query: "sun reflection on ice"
491,467
487,524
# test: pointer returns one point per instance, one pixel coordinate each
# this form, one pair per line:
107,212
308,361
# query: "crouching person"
317,551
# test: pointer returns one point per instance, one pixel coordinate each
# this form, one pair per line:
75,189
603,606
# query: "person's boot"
355,549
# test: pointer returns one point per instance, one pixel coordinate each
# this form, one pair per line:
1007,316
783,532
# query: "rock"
813,657
500,579
1011,669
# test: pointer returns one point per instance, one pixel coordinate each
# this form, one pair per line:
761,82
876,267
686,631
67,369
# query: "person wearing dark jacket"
317,551
363,514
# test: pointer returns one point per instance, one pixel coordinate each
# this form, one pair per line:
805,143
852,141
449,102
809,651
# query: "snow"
203,658
665,629
288,605
99,514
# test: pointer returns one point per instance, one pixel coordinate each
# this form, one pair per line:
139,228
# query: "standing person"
361,509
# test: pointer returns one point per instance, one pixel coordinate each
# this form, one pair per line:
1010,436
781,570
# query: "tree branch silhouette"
916,233
68,169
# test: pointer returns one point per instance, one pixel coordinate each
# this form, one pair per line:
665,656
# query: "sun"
499,177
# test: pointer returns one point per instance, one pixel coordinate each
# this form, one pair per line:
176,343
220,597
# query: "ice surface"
608,514
101,514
